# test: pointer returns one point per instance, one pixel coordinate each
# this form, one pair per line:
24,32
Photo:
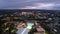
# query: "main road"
22,30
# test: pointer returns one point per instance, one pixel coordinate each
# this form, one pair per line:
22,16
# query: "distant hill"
3,11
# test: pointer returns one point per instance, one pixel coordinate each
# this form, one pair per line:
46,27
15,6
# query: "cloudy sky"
29,4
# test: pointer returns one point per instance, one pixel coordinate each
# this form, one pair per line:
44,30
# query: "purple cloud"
29,4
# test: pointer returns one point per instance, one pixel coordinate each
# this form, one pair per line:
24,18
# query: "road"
22,30
25,30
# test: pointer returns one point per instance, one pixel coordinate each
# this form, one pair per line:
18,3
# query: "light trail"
24,31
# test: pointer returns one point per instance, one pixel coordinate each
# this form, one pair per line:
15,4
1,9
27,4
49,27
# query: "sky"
30,4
